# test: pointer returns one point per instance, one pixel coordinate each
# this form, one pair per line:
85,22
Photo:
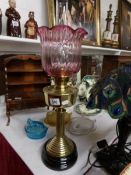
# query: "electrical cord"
90,168
93,164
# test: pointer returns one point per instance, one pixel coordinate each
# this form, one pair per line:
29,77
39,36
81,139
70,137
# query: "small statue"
115,34
31,27
87,83
13,21
0,21
107,33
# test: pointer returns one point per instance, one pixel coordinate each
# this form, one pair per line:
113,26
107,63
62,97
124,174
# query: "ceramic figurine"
31,27
13,20
0,21
84,88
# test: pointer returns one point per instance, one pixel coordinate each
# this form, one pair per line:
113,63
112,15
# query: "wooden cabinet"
86,66
111,62
25,80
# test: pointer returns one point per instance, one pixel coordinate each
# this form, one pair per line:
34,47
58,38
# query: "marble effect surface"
30,150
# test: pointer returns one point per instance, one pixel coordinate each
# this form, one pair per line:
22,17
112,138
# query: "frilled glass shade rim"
61,49
82,32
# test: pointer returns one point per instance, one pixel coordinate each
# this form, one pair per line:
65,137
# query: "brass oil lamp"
61,58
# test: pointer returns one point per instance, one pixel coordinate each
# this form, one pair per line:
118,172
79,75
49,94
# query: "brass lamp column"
60,152
61,58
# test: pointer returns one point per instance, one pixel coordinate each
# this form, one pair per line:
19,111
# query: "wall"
23,7
39,7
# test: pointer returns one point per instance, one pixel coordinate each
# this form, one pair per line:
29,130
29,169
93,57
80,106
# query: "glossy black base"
59,163
113,160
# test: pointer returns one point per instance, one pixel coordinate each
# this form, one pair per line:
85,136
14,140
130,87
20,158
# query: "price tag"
15,23
55,101
115,37
107,35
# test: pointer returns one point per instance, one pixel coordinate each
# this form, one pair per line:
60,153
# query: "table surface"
30,150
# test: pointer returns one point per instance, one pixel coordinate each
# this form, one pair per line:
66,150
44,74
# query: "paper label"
107,35
15,23
55,101
115,37
66,102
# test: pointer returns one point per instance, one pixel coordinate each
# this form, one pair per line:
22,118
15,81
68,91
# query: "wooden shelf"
24,70
21,83
25,80
30,46
21,95
13,45
92,50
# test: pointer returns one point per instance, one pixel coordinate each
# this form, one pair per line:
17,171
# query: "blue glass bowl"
35,129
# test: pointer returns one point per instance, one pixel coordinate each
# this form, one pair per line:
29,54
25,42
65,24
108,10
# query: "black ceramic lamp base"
59,163
112,160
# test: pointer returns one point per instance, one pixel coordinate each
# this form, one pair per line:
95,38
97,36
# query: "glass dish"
35,129
81,126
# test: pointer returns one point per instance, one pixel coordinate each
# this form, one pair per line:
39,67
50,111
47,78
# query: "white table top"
30,150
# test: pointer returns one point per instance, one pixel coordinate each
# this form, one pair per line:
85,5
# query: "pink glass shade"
61,49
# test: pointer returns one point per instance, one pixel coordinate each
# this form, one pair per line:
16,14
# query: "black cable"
128,144
94,163
87,160
91,164
114,141
126,147
112,144
89,168
117,131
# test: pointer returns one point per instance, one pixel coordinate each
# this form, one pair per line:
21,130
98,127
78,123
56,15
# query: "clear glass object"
61,50
81,126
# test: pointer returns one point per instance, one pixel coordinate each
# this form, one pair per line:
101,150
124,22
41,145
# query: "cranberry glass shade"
61,49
